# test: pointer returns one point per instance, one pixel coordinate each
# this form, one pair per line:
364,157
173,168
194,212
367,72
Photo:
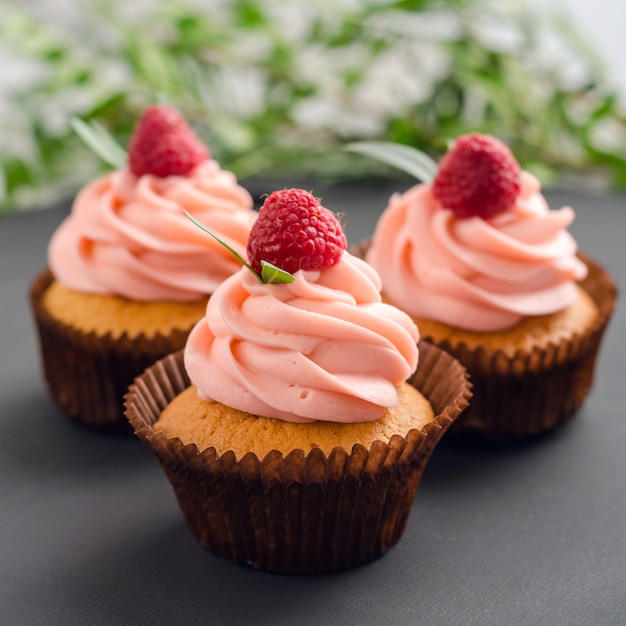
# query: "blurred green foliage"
278,87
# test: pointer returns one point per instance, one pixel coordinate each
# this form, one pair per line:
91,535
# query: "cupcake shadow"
464,462
135,569
37,438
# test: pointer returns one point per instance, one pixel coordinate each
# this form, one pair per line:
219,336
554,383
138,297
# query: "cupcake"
491,275
287,427
128,274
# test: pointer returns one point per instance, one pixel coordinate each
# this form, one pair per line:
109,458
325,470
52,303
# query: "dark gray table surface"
532,533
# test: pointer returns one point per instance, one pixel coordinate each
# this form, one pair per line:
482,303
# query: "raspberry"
163,144
294,231
479,176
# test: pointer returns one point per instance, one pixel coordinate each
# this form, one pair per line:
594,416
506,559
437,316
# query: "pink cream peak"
480,275
324,347
129,236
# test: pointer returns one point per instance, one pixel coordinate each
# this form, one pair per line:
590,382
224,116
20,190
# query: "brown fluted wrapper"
533,391
297,513
87,374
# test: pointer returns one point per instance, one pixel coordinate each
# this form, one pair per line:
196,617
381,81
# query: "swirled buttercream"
129,236
324,347
472,273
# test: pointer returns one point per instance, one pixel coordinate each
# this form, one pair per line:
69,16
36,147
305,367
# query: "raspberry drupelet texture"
479,176
163,144
294,231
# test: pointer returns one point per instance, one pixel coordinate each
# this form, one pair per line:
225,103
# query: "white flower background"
237,89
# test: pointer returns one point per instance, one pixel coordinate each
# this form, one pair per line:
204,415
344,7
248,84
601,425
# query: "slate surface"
533,533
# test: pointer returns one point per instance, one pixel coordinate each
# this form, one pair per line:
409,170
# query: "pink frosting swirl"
480,275
129,236
324,347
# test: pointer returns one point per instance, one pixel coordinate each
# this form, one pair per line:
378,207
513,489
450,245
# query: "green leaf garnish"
269,272
406,158
100,141
207,230
272,274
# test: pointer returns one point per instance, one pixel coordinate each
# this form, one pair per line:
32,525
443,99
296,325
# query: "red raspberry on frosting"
479,176
163,144
293,232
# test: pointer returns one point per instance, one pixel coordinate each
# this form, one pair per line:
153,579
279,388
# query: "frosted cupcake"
128,274
491,275
288,431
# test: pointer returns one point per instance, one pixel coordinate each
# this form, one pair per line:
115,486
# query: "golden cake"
212,424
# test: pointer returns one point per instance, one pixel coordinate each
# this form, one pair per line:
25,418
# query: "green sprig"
101,142
269,272
405,158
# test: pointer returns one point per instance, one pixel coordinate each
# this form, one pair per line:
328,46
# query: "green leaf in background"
3,185
99,140
406,158
272,274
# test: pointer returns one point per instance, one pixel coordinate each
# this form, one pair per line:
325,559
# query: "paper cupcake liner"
533,391
87,374
297,513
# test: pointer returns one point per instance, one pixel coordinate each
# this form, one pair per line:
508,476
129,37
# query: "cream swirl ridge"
128,235
473,273
324,347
